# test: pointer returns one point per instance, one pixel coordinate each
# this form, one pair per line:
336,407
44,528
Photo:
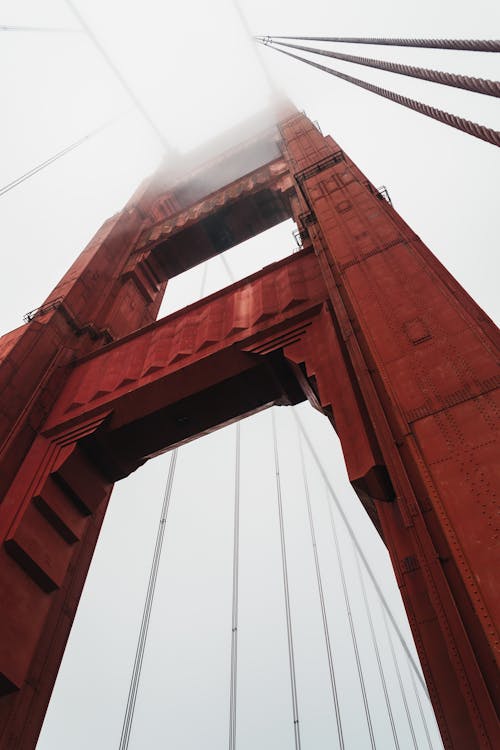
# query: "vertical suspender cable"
366,565
148,604
401,686
333,684
420,709
234,619
236,556
146,615
203,280
377,652
351,623
291,657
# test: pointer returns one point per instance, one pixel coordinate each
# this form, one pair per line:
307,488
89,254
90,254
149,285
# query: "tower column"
423,375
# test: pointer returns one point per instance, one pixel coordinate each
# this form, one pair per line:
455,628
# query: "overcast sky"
197,74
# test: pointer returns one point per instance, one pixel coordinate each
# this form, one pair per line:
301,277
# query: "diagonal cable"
377,652
331,669
19,180
133,96
359,549
352,629
148,604
466,126
400,681
468,83
39,28
463,45
269,80
420,710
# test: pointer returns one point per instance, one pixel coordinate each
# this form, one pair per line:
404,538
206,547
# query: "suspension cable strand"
146,614
227,267
466,126
333,683
291,657
267,75
401,685
463,45
236,557
203,279
234,622
420,709
39,28
477,85
362,556
351,622
55,157
377,652
126,86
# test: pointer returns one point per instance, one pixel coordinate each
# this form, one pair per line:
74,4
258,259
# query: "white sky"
197,75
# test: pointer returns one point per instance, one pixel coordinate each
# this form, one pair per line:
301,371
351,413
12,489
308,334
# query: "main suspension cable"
351,623
468,83
124,83
362,556
400,681
377,651
291,657
464,45
333,683
466,126
55,157
146,614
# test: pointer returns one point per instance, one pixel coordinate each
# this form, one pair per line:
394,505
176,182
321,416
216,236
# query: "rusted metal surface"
364,322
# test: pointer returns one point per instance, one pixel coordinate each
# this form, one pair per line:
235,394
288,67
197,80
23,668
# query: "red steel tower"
363,321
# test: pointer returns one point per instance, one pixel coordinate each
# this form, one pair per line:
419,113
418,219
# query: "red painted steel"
364,322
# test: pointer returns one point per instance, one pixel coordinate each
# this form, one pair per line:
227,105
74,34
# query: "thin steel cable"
55,157
291,657
39,28
466,126
203,279
401,685
362,556
464,45
377,651
227,267
351,624
146,614
468,83
267,75
133,96
338,717
234,615
420,710
236,558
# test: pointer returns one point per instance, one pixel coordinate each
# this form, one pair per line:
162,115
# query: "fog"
200,79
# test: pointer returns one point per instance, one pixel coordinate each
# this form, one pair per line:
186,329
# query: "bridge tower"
363,321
